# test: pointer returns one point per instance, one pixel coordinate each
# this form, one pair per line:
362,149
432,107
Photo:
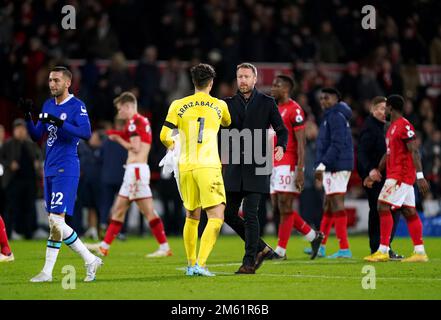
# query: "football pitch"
127,274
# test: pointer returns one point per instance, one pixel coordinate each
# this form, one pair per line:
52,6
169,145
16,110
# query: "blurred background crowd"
147,47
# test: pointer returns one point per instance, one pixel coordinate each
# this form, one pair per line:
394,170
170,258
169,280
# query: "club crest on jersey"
132,127
63,116
83,109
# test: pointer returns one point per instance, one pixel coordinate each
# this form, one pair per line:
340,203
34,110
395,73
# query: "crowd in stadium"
223,33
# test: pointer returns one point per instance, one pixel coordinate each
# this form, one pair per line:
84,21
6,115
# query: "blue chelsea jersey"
61,144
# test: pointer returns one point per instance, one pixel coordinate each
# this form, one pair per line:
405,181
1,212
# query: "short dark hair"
18,122
396,102
202,74
66,72
378,99
288,80
332,91
247,65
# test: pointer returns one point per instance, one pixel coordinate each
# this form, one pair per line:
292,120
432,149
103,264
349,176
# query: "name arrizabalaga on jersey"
196,103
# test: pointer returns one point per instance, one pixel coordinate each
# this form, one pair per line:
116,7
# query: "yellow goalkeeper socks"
191,239
208,239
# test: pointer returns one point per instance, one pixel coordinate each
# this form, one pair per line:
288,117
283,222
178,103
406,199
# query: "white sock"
53,246
383,249
310,236
74,242
420,249
164,246
280,251
51,258
105,245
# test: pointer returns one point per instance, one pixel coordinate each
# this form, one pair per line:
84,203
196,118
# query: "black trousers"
374,217
20,212
248,226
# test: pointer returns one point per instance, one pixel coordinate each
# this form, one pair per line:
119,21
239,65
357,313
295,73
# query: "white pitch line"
323,276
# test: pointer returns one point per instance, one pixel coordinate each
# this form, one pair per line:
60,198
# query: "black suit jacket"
371,146
258,112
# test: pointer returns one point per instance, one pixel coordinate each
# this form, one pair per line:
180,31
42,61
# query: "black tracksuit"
371,148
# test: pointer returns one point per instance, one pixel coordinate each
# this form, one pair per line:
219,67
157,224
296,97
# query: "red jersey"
293,117
138,126
399,163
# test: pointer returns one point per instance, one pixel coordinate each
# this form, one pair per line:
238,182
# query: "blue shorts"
60,193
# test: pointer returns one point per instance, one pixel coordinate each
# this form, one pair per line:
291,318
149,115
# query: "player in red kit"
287,179
403,167
137,139
6,255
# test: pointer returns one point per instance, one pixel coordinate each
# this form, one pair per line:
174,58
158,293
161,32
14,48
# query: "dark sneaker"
265,254
395,256
315,244
246,270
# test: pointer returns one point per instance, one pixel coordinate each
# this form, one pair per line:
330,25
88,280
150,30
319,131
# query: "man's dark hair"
66,72
396,102
202,74
287,80
332,91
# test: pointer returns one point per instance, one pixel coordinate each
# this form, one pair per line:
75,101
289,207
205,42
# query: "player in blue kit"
64,121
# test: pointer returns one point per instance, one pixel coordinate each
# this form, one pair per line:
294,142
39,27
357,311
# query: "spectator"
348,84
368,86
21,160
103,42
114,157
118,74
435,48
311,199
389,80
147,78
175,82
330,47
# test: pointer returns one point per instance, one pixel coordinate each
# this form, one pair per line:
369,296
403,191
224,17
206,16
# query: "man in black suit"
371,148
248,169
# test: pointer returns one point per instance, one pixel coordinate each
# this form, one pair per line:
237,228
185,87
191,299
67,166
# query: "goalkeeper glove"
50,119
26,107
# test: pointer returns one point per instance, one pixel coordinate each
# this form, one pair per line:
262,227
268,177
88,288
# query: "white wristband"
420,175
321,167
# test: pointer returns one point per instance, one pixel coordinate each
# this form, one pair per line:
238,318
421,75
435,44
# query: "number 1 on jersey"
201,129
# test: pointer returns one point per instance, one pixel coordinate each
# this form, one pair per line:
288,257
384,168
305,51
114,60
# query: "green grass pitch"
127,274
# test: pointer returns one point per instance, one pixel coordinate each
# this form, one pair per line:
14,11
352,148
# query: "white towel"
170,162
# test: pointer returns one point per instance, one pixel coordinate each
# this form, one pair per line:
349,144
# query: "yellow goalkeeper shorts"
203,187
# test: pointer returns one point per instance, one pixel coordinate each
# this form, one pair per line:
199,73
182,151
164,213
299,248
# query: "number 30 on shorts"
57,199
285,180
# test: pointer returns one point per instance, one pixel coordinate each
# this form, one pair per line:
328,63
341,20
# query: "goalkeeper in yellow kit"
197,119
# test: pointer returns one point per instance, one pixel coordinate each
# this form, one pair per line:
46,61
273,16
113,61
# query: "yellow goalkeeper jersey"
197,118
